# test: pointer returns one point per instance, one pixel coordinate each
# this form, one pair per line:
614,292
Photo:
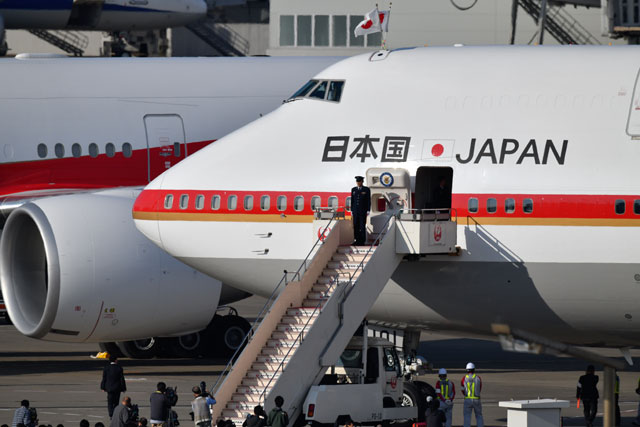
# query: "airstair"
72,42
559,23
306,327
221,37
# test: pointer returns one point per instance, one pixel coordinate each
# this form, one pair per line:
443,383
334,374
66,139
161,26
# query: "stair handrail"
271,300
295,340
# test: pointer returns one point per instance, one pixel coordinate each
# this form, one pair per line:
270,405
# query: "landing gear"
111,348
225,334
139,349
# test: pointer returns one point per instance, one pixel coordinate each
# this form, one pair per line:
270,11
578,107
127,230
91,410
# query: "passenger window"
184,201
265,202
620,207
298,203
168,201
347,204
76,150
110,149
636,207
42,151
281,203
215,203
315,203
527,206
200,202
335,91
59,150
320,91
333,202
509,206
248,203
127,150
492,205
472,205
305,89
232,203
94,151
176,149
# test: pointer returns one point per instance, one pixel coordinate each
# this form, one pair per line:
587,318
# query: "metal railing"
270,301
429,214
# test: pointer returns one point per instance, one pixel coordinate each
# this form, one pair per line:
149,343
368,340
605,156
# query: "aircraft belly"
128,20
45,19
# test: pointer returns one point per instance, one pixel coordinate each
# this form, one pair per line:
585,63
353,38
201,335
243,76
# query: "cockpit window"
326,90
320,91
335,91
305,89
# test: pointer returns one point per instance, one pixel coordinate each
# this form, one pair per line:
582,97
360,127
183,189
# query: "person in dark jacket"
278,417
113,383
434,417
122,414
160,406
587,391
258,419
360,206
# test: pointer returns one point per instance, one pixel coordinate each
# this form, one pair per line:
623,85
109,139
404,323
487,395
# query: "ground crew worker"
446,392
588,393
360,206
471,387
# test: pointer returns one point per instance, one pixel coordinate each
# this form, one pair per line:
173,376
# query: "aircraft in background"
540,163
97,15
74,267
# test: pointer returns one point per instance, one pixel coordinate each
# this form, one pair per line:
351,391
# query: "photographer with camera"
125,414
161,402
25,415
200,406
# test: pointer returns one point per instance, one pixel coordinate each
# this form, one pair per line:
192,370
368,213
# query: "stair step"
282,343
360,250
291,327
275,351
246,397
321,287
234,413
256,373
326,280
272,358
249,389
318,296
346,265
242,406
258,382
238,421
294,320
349,257
341,273
285,335
267,366
314,302
302,312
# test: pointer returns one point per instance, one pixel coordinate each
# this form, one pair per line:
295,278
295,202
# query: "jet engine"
74,268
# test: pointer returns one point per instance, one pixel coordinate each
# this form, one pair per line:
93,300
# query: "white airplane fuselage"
543,140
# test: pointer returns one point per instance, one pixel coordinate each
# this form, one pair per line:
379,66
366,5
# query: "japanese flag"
438,149
384,20
370,24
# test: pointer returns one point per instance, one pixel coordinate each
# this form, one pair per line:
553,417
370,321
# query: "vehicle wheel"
139,349
426,389
412,396
229,334
111,348
186,346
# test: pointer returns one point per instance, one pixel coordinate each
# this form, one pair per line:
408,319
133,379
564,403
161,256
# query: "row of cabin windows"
76,150
527,206
248,202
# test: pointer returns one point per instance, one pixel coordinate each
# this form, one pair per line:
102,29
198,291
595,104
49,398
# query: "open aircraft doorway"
433,188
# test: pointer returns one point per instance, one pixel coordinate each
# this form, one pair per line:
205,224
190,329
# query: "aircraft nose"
145,215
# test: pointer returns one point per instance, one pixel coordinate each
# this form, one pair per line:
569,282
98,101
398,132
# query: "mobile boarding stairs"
309,321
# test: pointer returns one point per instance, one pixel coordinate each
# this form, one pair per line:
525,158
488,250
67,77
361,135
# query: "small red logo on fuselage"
437,232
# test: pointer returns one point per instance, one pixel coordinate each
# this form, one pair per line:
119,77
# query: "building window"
333,202
42,151
304,30
168,201
232,202
281,203
509,206
200,202
127,150
315,203
298,203
110,149
354,20
492,205
265,202
215,203
472,205
636,207
527,206
59,150
286,30
184,201
76,150
321,30
339,30
347,204
94,151
620,207
248,203
374,40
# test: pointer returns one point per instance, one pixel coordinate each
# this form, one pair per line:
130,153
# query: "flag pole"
386,33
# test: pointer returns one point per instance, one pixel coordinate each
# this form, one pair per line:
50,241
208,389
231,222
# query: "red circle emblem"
324,235
394,383
437,150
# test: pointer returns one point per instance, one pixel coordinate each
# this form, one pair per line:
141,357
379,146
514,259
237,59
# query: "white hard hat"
429,398
442,371
470,366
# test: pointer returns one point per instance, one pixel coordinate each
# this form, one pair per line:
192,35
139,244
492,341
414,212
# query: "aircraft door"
433,188
390,191
165,142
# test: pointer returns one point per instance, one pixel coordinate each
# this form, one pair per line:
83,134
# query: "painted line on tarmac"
73,415
96,416
137,379
49,413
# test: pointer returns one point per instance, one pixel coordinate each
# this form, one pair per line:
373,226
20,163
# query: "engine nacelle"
74,268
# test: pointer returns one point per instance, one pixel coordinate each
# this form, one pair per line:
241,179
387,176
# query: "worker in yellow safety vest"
446,392
471,387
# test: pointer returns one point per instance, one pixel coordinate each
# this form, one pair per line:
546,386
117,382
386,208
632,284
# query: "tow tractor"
368,388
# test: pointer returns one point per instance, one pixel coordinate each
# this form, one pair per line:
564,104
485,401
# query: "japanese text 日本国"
344,148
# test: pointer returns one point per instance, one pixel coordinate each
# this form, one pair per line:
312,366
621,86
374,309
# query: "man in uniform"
113,383
587,391
446,392
360,206
471,387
